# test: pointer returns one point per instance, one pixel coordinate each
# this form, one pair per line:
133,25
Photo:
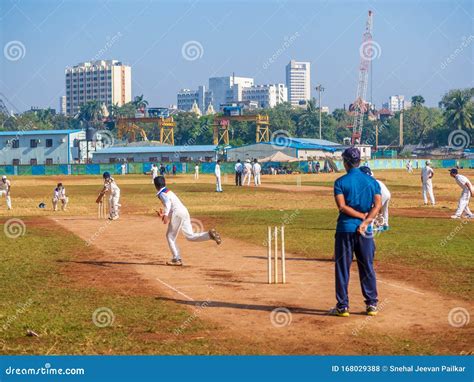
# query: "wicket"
269,250
102,212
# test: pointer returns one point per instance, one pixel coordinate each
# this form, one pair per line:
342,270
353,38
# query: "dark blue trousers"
348,244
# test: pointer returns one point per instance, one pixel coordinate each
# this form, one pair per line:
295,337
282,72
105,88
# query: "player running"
177,215
5,188
467,191
59,195
114,195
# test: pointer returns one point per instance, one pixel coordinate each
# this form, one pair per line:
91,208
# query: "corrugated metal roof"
314,141
297,143
38,132
156,149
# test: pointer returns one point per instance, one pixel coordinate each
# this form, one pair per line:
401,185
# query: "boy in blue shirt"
358,199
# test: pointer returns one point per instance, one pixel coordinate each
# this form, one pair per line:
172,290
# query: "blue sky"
416,38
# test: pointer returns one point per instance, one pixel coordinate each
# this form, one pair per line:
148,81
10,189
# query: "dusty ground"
227,285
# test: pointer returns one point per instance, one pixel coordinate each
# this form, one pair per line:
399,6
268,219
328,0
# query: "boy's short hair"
160,181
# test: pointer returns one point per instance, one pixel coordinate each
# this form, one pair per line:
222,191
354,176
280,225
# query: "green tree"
91,113
140,103
459,108
417,100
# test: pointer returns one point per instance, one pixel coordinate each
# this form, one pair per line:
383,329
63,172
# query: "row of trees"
421,124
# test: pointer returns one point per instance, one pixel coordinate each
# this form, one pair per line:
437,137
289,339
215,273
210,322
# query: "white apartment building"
298,81
227,89
187,97
398,103
109,82
62,105
266,96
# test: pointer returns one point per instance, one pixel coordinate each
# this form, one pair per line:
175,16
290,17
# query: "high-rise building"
186,98
266,96
298,82
62,105
109,82
398,103
227,89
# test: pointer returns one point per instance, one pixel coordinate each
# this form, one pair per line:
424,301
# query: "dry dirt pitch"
226,285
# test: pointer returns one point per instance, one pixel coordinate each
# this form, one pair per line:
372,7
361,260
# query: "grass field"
42,292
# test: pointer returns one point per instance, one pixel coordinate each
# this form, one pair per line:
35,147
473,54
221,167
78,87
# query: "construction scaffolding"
128,127
221,126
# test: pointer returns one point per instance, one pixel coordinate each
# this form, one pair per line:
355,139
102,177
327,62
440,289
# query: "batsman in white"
247,172
386,196
467,191
114,195
59,194
217,172
177,216
427,174
5,187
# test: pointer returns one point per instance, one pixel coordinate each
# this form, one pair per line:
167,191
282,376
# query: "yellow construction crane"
127,126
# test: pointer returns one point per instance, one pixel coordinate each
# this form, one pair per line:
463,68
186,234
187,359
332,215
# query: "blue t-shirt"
359,191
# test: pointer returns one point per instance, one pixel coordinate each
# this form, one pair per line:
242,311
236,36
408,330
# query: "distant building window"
16,162
49,143
49,161
165,159
33,143
112,160
153,159
208,159
131,159
33,162
15,144
183,159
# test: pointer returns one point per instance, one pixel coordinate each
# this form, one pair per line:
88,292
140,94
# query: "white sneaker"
455,217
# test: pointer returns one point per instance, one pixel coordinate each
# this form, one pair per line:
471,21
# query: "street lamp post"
320,89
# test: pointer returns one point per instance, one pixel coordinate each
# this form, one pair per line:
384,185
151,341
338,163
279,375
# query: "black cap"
453,171
351,155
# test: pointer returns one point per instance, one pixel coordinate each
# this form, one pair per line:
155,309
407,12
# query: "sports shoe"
371,310
471,216
455,217
385,228
214,235
340,312
175,262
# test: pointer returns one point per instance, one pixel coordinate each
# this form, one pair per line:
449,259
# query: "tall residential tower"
298,81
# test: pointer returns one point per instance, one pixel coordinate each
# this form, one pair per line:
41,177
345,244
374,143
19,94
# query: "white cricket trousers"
256,179
196,174
247,179
64,202
8,199
463,204
114,204
428,191
182,221
218,184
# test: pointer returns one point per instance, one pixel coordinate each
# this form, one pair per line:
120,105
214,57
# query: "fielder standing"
467,191
217,172
358,200
154,172
427,174
196,172
238,173
177,215
247,172
257,170
5,188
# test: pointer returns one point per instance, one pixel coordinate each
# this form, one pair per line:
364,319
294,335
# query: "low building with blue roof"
42,147
155,153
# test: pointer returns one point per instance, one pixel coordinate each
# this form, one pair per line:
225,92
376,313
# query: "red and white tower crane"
360,105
